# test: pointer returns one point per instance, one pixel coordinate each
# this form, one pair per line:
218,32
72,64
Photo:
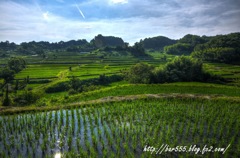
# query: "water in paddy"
55,133
121,129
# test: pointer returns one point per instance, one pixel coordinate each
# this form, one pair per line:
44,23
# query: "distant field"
82,66
42,71
227,71
55,70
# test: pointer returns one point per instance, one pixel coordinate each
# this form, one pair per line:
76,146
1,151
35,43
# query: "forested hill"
220,48
107,41
157,43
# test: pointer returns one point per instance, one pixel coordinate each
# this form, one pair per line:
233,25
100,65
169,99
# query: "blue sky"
56,20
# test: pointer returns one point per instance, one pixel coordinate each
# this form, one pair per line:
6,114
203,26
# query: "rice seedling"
121,128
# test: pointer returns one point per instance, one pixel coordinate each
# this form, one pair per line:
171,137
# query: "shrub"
140,73
75,83
58,87
72,91
26,98
42,102
87,88
39,81
184,69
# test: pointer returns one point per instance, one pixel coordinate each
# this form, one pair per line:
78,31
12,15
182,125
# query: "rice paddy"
123,129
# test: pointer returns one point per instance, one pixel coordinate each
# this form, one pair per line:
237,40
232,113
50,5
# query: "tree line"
220,48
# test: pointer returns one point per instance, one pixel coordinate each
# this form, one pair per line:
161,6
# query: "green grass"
181,88
42,71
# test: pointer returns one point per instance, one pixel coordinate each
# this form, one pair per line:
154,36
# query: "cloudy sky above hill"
56,20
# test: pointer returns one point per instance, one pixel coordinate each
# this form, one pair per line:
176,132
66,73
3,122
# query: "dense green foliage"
230,40
137,50
219,54
40,48
180,69
178,49
100,41
25,98
194,40
7,74
222,48
16,64
140,73
157,43
58,87
185,45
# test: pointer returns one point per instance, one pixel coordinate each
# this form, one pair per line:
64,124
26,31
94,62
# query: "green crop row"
124,129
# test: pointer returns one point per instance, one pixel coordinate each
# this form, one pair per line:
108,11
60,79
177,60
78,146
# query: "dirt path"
142,96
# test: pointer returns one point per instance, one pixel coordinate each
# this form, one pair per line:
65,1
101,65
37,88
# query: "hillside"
157,43
100,41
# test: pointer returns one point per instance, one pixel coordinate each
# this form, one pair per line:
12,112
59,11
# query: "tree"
137,49
16,85
7,75
140,73
178,49
219,54
6,98
76,83
184,69
221,48
16,64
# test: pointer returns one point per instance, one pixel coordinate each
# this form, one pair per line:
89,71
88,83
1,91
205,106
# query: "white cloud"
119,1
46,15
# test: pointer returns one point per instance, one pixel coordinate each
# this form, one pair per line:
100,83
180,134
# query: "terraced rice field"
123,129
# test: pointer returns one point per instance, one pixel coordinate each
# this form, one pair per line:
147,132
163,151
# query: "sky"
132,20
